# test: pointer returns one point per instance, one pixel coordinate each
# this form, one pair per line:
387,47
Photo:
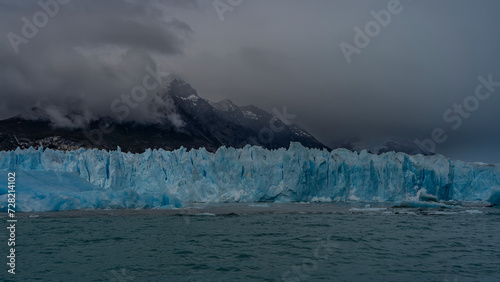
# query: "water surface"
260,242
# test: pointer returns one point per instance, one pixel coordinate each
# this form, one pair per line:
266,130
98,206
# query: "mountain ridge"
201,123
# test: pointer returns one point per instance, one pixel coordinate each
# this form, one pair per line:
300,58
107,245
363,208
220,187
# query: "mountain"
404,146
398,145
185,119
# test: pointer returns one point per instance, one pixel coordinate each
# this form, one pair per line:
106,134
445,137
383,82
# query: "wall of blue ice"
163,178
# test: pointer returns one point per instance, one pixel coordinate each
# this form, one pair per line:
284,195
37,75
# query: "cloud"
277,53
84,58
270,54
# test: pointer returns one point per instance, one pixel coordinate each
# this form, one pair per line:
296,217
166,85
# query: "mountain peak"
180,88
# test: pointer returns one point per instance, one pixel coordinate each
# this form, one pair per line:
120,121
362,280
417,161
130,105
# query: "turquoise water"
259,243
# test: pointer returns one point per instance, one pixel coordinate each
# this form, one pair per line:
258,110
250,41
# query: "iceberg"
39,191
422,204
494,199
87,179
423,196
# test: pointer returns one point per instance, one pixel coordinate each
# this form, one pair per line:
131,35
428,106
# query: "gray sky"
270,53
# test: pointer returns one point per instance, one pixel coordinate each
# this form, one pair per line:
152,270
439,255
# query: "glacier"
49,180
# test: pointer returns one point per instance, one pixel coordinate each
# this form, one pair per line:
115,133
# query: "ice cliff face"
54,180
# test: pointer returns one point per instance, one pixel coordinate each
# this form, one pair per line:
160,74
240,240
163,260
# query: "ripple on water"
260,247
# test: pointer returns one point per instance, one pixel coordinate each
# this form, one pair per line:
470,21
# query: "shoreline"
242,209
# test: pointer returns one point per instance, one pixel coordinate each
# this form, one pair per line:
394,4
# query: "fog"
423,61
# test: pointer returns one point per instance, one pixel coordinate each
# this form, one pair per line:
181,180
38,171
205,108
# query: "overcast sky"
271,53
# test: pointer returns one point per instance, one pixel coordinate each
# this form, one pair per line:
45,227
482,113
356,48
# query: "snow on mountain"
230,125
56,180
250,115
